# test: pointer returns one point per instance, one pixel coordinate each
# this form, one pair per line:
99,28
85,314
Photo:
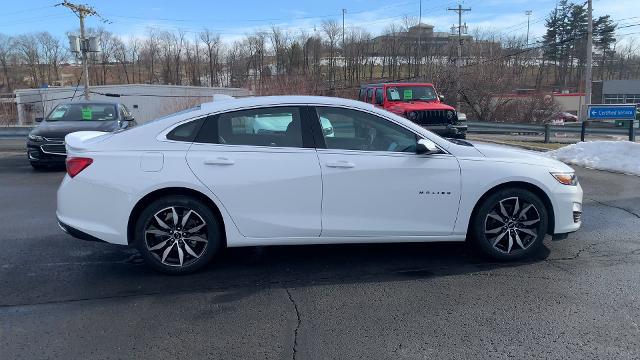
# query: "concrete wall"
146,102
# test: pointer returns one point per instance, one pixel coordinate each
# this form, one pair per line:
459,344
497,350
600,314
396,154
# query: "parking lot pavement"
65,298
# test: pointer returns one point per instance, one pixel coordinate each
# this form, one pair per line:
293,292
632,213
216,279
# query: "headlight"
412,115
35,138
566,178
450,114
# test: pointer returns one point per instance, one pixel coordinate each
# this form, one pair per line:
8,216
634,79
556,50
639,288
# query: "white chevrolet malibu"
296,170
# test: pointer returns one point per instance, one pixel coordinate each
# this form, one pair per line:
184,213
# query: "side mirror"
441,97
426,147
39,119
129,119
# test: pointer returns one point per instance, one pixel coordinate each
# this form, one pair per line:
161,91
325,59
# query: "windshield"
411,93
83,112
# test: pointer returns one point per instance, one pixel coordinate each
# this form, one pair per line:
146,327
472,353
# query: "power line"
28,10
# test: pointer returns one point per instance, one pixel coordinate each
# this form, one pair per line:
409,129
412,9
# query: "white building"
146,102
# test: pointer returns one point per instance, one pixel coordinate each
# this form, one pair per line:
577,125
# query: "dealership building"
616,92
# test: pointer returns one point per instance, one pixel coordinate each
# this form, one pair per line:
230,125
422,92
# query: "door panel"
388,194
374,184
255,163
268,192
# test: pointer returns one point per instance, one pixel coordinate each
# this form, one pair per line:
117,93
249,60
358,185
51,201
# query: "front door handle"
340,164
219,161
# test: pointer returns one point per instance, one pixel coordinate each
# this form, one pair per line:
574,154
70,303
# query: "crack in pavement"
615,207
576,255
295,332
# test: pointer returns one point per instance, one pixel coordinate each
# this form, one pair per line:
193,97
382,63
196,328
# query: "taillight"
76,164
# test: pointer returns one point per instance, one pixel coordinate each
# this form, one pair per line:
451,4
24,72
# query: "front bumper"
450,130
46,153
567,208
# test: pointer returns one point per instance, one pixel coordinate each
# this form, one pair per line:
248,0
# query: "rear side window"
277,127
361,94
369,95
186,132
379,98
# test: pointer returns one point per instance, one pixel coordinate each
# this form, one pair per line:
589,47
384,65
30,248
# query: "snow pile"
621,156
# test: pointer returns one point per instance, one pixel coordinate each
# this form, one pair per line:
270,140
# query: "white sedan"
181,187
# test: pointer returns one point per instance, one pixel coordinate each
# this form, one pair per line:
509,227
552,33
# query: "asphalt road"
67,299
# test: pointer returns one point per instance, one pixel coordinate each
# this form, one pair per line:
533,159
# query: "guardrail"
478,127
546,129
12,132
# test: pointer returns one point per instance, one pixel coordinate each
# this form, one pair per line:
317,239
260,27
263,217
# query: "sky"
233,19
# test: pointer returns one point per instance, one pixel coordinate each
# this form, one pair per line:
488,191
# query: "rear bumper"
77,233
93,210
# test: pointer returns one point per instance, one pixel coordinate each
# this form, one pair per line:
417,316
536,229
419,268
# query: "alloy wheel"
176,236
512,225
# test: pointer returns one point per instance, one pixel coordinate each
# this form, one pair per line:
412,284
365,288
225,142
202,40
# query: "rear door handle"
340,164
219,161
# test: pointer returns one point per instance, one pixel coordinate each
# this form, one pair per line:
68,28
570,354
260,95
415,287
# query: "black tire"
178,259
518,232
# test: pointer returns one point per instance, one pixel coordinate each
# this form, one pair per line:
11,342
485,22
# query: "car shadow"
241,272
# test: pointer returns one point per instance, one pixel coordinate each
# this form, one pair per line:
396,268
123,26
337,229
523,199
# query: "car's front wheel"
510,224
177,234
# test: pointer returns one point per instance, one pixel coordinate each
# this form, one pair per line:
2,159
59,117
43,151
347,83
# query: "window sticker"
394,94
86,113
407,94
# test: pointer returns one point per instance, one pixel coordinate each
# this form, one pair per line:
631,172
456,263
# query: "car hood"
512,154
419,105
59,129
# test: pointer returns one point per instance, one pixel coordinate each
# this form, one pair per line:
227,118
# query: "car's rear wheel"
177,234
510,224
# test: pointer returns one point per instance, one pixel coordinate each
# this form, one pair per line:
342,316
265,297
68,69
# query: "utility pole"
528,13
460,10
344,49
419,39
588,71
82,11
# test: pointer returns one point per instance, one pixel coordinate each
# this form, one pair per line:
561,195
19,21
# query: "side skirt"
342,240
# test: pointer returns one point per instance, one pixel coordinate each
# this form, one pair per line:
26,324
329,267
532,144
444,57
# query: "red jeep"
419,103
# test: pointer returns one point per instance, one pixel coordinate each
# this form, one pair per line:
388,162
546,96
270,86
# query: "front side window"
357,130
278,127
83,112
411,93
